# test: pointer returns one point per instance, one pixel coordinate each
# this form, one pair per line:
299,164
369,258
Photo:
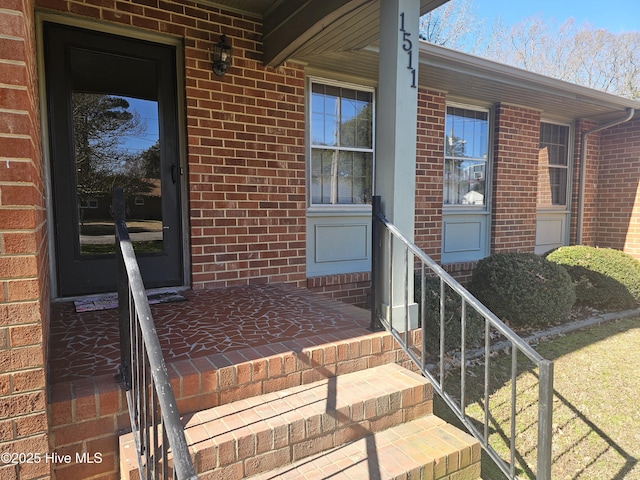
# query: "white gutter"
583,167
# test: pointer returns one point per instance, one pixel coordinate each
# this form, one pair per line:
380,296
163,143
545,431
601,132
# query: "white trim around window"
467,157
555,179
555,166
467,179
340,133
341,145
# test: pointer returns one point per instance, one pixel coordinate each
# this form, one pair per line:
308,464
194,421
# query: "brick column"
24,283
515,179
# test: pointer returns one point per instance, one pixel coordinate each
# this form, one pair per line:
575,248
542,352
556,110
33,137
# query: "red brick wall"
429,172
462,271
246,158
618,207
24,293
515,177
247,171
351,288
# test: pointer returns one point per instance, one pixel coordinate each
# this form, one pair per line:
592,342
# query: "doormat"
110,301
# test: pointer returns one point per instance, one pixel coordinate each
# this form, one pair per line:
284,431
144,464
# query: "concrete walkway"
560,330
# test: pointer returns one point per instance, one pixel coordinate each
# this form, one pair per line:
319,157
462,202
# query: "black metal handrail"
416,261
155,420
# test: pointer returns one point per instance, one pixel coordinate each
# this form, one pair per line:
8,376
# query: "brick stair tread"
262,432
306,418
426,448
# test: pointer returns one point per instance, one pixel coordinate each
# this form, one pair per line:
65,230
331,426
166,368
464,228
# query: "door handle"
175,171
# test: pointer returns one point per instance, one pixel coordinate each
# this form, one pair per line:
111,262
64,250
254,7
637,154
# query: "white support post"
396,124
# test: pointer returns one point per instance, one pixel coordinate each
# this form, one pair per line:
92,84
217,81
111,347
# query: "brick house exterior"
617,209
516,141
246,171
24,304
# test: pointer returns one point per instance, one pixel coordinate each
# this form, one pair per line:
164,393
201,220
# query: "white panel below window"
551,231
338,244
464,238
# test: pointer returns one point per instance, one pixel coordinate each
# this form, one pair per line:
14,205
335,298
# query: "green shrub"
523,288
603,277
453,323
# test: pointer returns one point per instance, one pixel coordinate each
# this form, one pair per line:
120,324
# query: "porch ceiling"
340,37
297,28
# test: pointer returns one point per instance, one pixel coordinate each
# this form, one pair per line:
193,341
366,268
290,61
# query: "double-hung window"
553,161
340,177
466,156
553,219
465,212
341,145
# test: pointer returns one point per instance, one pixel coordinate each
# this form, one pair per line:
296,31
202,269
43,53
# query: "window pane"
466,137
553,159
354,178
466,133
348,122
464,182
556,139
558,155
558,180
345,178
356,121
323,167
362,173
552,186
324,115
341,118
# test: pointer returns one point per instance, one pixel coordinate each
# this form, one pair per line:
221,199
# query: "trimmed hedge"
523,288
604,278
452,325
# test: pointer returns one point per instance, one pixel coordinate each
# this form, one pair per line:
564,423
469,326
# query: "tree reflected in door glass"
116,144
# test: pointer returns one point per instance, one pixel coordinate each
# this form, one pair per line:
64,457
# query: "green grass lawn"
596,414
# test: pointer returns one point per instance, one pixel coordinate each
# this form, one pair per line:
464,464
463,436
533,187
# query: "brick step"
426,448
261,433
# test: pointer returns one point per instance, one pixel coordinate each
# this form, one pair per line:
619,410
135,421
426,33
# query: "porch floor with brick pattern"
213,321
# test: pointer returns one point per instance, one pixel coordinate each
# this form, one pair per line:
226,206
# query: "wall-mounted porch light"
221,56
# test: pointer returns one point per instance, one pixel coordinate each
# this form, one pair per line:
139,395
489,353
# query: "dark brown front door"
112,123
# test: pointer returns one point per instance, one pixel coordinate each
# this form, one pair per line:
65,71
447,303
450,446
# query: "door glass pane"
116,144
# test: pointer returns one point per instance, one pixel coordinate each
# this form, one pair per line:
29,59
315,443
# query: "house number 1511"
407,46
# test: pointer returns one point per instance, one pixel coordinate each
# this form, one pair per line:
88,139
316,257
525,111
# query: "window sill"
559,209
342,210
462,210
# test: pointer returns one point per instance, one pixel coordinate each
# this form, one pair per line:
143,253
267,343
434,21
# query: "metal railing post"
545,419
376,246
123,294
143,369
